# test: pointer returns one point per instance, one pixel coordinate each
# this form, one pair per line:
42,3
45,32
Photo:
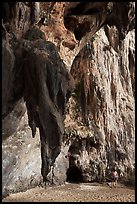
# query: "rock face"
48,85
103,104
50,49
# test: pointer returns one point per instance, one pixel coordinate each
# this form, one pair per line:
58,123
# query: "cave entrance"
74,172
74,175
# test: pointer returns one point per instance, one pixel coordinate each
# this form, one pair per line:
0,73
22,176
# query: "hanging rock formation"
49,50
48,85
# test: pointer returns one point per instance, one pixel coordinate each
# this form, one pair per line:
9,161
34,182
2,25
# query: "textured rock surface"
103,104
47,87
21,169
99,117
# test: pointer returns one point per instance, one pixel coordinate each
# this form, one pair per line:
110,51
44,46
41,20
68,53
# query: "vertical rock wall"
103,102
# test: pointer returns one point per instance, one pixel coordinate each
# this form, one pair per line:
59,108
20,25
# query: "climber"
114,177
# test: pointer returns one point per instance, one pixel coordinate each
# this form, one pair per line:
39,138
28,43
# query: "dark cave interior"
74,175
74,172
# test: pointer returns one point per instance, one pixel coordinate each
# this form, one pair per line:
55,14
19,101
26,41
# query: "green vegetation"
129,180
94,37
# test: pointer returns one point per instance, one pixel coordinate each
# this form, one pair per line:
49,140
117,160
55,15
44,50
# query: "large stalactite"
47,89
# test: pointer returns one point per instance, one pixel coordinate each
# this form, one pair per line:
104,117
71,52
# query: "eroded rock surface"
103,107
48,85
95,41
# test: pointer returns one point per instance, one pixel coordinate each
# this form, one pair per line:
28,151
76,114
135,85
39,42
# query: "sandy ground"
84,192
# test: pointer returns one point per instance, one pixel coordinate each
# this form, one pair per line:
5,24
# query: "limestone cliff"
68,69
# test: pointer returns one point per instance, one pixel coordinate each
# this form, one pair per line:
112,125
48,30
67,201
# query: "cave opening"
74,172
74,175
